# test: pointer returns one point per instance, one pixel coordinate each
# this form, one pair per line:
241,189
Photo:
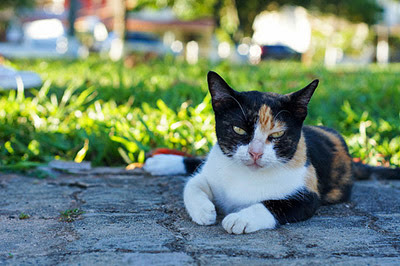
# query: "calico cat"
266,168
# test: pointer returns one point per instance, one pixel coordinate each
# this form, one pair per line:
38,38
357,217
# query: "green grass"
70,215
103,112
24,216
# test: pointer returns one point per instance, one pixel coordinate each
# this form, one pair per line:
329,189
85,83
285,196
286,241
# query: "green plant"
24,216
70,215
106,113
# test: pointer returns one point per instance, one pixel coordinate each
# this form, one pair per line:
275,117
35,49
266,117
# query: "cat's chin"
255,167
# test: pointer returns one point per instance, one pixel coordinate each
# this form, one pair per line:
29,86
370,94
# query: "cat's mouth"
254,165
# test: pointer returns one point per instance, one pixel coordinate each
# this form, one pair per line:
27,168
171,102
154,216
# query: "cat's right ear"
300,99
220,91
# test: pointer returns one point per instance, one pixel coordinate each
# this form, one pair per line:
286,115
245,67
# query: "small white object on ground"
165,164
9,79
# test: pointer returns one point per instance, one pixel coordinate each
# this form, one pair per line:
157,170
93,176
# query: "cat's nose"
256,149
255,155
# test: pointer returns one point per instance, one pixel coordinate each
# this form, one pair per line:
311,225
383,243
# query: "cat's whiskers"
281,111
224,166
241,108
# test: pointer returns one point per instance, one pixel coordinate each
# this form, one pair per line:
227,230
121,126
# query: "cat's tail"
171,164
363,171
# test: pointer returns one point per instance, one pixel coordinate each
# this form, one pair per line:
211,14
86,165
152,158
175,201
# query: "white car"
45,38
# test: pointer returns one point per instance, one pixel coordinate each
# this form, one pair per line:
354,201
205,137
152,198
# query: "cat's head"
259,130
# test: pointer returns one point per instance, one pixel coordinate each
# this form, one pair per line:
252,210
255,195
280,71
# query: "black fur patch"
362,171
319,152
296,208
192,165
286,146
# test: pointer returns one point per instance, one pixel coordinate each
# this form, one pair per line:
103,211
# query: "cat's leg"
268,214
298,207
197,197
250,219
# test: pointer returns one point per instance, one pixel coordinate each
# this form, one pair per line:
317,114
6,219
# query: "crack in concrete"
371,223
77,202
66,228
77,184
358,255
180,242
6,257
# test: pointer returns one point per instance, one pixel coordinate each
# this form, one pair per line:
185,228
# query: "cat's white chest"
235,186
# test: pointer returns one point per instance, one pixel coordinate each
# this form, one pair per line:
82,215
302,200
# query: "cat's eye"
277,134
239,130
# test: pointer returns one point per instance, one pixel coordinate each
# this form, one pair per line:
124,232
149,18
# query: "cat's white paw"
251,219
165,164
204,213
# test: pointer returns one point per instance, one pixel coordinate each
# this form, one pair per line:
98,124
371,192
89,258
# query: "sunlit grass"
103,112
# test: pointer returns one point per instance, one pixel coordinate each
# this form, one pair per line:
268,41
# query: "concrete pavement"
132,218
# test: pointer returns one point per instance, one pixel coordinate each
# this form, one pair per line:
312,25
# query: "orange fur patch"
299,160
311,180
266,120
300,157
334,195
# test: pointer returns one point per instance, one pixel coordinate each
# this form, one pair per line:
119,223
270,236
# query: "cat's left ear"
299,100
221,92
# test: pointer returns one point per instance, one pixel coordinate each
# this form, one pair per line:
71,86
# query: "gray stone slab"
116,232
134,219
38,198
223,260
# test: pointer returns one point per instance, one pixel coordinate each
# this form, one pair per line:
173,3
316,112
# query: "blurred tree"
16,3
119,10
368,11
73,10
5,15
232,15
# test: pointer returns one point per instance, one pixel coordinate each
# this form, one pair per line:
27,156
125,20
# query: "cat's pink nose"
256,149
255,155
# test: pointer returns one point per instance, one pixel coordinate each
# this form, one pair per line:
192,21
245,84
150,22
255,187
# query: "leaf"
82,152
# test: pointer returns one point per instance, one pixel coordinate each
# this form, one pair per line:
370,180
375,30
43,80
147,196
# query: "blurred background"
332,32
108,81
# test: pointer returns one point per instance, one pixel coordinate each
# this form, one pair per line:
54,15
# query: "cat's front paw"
165,164
251,219
204,213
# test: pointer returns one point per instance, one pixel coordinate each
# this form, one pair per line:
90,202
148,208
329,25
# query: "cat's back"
328,153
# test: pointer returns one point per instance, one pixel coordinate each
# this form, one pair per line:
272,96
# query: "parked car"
279,52
144,42
43,38
135,42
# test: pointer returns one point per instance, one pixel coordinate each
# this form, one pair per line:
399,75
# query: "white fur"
165,164
249,220
236,186
236,189
197,197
